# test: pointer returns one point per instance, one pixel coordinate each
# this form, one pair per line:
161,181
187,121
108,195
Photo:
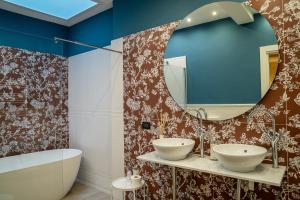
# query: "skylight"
64,9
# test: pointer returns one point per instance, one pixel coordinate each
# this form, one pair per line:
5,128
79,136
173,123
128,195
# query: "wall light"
214,13
188,19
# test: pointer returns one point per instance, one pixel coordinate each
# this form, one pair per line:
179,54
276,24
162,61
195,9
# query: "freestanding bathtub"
46,175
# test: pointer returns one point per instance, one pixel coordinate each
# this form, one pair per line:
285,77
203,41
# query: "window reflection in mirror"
222,57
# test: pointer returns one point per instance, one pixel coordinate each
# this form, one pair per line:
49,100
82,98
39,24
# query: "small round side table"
124,184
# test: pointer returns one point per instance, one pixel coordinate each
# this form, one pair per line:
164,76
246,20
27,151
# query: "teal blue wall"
222,60
131,16
32,34
96,30
24,32
127,17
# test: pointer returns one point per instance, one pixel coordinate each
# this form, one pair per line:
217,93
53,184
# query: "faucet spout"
200,130
200,114
272,134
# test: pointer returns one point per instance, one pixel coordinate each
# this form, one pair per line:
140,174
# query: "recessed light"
188,19
214,13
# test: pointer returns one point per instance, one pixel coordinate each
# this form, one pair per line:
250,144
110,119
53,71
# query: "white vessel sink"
240,157
173,148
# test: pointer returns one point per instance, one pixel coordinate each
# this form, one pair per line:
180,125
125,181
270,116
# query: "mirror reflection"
223,57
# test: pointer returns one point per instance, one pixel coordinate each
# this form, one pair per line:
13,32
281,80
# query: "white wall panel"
90,115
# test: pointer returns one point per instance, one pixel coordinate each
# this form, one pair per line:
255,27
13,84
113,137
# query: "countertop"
264,173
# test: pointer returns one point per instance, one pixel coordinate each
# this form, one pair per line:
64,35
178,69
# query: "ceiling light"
188,19
214,13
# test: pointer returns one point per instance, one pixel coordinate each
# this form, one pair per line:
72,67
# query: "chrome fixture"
271,133
57,39
200,130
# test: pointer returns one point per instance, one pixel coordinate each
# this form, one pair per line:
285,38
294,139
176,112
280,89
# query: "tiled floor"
83,192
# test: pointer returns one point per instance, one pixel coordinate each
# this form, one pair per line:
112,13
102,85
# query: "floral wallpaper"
146,96
33,101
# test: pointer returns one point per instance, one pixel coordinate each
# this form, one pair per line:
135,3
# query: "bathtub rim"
74,153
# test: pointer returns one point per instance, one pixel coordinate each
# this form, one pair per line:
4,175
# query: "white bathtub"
46,175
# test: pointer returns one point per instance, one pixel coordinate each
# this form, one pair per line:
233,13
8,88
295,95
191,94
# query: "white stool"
124,184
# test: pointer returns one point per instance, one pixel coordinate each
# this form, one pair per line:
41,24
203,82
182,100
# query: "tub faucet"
272,134
200,130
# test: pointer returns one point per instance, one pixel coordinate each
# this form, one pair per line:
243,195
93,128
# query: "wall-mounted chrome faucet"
200,130
272,134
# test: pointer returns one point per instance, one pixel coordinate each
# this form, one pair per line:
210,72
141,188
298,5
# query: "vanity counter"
264,173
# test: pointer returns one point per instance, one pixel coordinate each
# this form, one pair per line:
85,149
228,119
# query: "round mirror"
223,57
